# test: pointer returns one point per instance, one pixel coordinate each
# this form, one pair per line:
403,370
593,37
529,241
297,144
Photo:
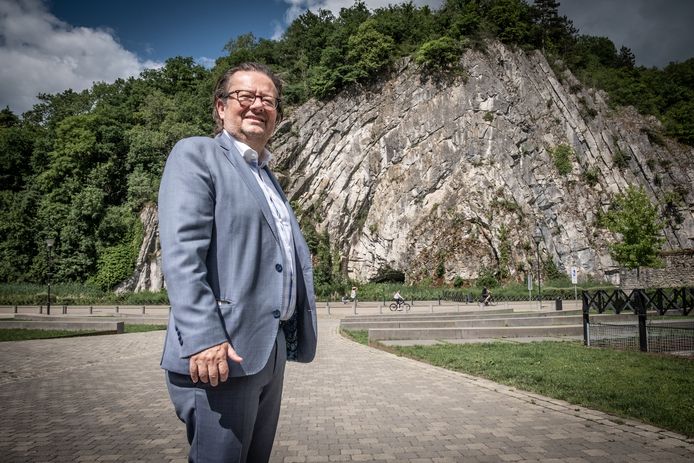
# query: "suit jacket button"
276,313
278,267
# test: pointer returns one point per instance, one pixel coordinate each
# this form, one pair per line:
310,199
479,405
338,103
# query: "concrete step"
114,327
483,322
383,334
478,314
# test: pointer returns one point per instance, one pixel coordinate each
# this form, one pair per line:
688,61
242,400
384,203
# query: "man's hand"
211,364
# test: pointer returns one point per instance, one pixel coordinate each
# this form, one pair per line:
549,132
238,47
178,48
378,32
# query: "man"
238,274
398,298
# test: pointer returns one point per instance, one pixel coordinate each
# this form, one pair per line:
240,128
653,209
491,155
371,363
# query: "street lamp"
49,244
537,237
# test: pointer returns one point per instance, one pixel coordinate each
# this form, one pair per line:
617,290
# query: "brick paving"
102,398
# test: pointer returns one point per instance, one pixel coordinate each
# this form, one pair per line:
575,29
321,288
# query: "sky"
48,46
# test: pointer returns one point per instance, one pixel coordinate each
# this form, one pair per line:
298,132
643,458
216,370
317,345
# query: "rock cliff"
450,177
423,175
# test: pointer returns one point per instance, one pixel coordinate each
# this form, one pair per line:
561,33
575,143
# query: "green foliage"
116,263
619,158
369,53
552,273
487,277
440,269
504,253
636,220
441,54
562,156
591,176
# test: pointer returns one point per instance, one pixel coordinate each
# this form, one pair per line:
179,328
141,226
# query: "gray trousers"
235,421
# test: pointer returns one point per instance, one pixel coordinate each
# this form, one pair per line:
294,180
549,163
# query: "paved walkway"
103,398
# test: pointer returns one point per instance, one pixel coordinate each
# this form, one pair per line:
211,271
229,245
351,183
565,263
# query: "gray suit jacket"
223,262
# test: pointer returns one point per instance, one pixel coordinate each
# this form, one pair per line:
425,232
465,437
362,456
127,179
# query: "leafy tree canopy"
636,220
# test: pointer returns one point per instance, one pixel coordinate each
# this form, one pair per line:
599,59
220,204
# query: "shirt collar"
249,154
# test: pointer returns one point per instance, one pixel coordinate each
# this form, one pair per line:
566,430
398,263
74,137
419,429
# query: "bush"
487,277
442,54
562,155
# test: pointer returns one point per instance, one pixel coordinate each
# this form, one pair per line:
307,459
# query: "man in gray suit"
238,273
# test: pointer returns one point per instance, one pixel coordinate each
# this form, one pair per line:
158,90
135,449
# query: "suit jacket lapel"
236,159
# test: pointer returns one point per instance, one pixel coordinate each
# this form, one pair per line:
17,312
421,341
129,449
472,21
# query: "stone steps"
385,334
479,324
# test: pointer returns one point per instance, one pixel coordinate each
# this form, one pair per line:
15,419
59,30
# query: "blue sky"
160,29
49,46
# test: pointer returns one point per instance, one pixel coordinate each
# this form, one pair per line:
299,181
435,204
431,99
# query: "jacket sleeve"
186,221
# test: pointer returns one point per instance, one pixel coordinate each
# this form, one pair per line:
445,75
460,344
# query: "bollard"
458,305
91,310
64,310
328,305
15,309
40,309
380,309
143,310
431,307
117,309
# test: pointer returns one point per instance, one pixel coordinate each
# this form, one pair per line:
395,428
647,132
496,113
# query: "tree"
369,52
636,220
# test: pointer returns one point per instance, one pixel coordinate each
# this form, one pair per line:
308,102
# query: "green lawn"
656,389
21,334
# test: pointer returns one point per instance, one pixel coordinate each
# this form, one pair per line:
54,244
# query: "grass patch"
647,387
143,328
360,336
25,334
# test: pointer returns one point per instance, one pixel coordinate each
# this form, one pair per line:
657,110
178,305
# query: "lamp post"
49,244
537,237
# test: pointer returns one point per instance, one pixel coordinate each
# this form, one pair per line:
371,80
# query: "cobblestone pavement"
103,398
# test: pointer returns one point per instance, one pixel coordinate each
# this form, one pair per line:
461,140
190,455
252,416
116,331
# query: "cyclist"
486,296
398,298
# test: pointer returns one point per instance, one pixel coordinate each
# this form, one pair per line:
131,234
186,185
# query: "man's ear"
218,107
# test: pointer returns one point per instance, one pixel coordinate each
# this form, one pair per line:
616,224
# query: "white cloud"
42,54
299,7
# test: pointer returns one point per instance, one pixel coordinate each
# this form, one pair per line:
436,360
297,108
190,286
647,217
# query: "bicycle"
399,306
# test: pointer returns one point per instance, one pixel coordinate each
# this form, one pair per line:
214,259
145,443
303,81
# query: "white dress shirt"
280,214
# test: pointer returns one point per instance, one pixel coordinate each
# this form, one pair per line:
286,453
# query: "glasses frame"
265,104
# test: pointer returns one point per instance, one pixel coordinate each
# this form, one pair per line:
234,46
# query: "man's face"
252,125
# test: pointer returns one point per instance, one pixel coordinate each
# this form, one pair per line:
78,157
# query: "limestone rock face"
423,176
148,274
453,177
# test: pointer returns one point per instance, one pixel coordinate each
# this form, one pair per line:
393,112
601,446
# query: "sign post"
574,281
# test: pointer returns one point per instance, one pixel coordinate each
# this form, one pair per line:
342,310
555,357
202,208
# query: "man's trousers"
235,421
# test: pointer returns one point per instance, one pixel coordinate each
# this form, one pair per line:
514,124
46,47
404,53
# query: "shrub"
562,155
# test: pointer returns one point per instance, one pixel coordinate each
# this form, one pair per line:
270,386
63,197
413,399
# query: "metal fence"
648,331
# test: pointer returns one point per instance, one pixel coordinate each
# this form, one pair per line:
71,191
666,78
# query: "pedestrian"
238,274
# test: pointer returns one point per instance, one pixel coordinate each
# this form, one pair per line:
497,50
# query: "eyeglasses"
246,99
